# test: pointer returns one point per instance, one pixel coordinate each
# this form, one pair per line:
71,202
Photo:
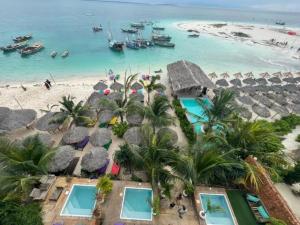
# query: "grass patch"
240,207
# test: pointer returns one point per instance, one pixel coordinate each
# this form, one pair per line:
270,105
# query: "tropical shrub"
124,157
156,205
286,124
17,213
135,178
105,185
274,221
185,125
298,138
119,129
293,176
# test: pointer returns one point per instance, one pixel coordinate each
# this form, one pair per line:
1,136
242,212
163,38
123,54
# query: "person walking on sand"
182,210
49,83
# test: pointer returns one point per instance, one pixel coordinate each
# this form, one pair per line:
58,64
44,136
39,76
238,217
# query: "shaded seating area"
41,192
56,193
258,209
77,137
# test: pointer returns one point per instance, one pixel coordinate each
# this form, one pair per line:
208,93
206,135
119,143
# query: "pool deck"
208,190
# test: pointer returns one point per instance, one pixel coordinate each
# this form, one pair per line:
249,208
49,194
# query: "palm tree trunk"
148,95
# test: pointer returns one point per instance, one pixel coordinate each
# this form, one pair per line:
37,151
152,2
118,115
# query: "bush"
15,213
286,124
185,125
135,178
298,138
274,221
119,129
293,176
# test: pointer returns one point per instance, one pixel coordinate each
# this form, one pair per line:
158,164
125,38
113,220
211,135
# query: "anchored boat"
165,44
65,54
138,25
193,35
161,37
31,49
158,28
53,54
97,29
116,45
22,38
14,47
130,31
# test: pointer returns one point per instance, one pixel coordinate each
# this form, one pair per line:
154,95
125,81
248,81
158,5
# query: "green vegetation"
119,129
293,175
105,186
240,208
185,125
274,221
298,138
124,157
152,86
21,166
13,213
286,124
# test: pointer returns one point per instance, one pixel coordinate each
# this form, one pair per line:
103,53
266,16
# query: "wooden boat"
132,45
193,35
31,49
280,23
138,25
161,37
65,54
97,29
53,54
130,31
22,38
158,28
165,44
116,45
14,47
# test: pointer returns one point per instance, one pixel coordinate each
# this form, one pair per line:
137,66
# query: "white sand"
259,34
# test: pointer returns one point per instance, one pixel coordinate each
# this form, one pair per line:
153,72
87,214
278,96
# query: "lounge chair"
56,193
252,198
37,194
296,188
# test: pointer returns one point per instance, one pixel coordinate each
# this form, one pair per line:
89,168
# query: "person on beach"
181,211
172,205
178,199
49,83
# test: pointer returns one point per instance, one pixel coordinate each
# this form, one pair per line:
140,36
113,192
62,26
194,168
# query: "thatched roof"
264,100
136,86
116,86
212,75
94,160
116,96
106,116
16,119
297,79
295,108
275,80
46,139
261,111
276,88
281,100
137,97
100,86
100,137
75,135
262,88
264,75
290,80
290,88
93,100
277,74
168,133
294,98
184,76
245,113
62,158
249,75
238,75
288,74
235,90
222,82
133,136
134,119
282,111
246,100
262,81
249,81
236,82
247,89
4,112
45,122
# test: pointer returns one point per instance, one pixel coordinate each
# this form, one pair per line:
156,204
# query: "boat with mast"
161,37
14,47
22,38
156,28
113,44
165,44
98,28
129,31
137,25
31,49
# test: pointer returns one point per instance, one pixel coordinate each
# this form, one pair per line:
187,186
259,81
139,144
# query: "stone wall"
271,198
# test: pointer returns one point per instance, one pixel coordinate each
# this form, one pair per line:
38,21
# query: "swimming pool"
81,201
217,210
192,106
137,204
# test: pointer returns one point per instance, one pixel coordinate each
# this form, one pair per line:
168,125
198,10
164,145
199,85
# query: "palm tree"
22,165
124,157
152,86
217,113
128,81
71,112
157,113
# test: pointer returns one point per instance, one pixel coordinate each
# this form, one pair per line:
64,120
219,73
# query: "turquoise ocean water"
67,25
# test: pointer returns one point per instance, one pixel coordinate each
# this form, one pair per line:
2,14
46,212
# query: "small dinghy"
65,54
53,54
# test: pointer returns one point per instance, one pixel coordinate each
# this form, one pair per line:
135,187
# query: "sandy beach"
250,34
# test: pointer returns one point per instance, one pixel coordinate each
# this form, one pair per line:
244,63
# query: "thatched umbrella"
275,80
249,81
295,98
136,86
290,80
75,135
264,100
133,136
276,88
93,100
245,113
62,158
281,100
116,96
265,75
262,88
100,86
277,74
170,134
45,123
261,111
247,89
295,108
246,100
236,82
46,139
212,75
137,97
297,79
4,112
135,119
94,160
106,116
224,75
290,88
288,74
222,82
261,81
249,75
17,119
100,137
116,86
235,90
238,75
282,111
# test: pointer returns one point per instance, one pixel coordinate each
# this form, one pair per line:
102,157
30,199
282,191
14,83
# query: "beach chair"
252,198
56,193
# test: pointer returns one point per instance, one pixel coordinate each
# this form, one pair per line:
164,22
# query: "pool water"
192,106
137,204
81,201
219,212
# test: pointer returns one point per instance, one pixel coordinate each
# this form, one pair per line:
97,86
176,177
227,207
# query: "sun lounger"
56,193
263,212
36,194
259,211
252,198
